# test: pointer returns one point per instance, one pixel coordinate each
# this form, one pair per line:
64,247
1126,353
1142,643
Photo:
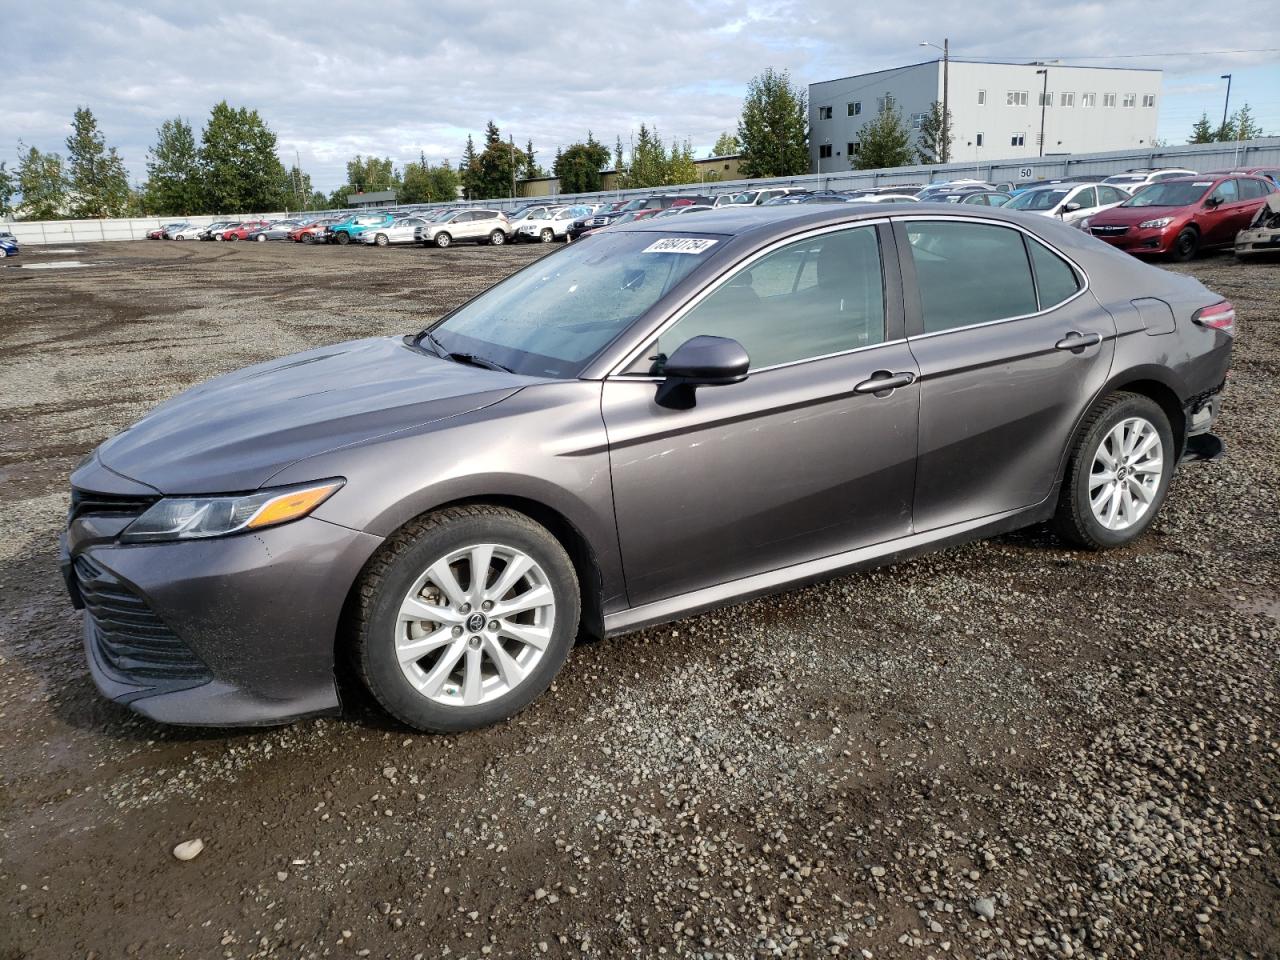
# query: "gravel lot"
1005,750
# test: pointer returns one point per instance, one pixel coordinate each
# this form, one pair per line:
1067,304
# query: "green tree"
173,171
445,182
773,129
619,163
726,145
680,165
241,171
1240,126
7,189
469,169
579,166
415,181
42,185
529,163
489,173
886,141
931,147
371,174
298,188
648,164
97,179
1202,131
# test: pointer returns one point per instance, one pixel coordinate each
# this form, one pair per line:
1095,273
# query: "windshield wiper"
430,337
477,361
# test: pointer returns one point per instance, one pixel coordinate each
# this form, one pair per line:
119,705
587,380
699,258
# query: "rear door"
1220,220
992,316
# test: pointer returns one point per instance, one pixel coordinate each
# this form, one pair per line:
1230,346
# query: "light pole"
946,117
1044,96
1227,102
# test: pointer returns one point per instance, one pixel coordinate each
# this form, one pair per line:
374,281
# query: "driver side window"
808,299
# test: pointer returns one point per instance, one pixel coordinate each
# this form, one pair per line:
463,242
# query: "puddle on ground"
61,250
57,265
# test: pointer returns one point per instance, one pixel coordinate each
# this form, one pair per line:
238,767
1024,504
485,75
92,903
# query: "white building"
995,109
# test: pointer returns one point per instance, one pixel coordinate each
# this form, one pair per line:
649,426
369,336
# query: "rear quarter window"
1056,281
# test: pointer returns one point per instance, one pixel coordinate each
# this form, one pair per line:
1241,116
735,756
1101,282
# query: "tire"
261,238
308,238
381,240
547,235
403,573
442,239
1088,502
342,238
1185,245
497,238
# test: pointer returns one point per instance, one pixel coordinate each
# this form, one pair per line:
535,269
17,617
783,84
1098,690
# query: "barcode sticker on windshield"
1203,183
680,245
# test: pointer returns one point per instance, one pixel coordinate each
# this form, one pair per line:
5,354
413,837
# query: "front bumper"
1151,240
228,631
1260,240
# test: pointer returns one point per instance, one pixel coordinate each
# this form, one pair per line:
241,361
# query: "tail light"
1220,316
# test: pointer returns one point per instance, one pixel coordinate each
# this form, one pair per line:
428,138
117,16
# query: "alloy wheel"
473,626
1126,472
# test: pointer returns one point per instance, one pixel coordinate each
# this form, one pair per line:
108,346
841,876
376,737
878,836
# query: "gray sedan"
660,419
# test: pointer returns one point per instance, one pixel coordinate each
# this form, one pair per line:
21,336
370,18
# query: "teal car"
349,229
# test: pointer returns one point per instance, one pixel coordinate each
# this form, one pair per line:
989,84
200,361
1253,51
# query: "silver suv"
480,226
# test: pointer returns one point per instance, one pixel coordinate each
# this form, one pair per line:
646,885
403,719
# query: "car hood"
236,431
1128,216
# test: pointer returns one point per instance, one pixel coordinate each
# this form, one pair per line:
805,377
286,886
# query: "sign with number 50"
1026,173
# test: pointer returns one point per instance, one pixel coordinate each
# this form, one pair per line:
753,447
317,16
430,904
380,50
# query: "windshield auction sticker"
680,245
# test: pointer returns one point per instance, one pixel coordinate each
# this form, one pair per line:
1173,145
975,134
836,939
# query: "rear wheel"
308,238
497,238
381,240
1185,245
465,617
443,239
1118,475
547,235
342,238
261,238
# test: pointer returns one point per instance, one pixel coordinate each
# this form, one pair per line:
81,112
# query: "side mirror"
702,361
1070,207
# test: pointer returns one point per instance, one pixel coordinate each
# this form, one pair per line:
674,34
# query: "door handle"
885,381
1076,342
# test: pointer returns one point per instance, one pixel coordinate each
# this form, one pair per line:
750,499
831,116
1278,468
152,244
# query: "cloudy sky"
396,77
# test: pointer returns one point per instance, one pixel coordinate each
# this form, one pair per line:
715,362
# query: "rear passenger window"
1251,189
969,273
1055,279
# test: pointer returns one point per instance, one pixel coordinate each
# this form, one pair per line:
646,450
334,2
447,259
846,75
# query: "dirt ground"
1007,749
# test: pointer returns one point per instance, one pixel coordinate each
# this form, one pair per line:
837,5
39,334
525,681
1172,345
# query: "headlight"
195,518
1157,222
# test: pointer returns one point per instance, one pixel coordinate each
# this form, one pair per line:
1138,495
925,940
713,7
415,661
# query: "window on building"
855,108
1018,140
982,98
824,151
812,298
970,273
1046,99
978,139
917,120
852,147
1016,98
1148,99
1067,100
1108,99
824,113
1130,99
1088,99
884,103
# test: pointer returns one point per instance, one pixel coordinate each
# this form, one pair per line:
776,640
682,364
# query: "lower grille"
132,641
1108,231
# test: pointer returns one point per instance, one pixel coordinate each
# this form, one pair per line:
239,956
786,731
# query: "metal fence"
1264,152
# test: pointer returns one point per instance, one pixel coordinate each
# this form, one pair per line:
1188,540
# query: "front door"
992,319
800,461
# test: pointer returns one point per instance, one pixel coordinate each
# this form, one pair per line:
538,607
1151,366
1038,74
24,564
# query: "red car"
241,230
313,231
1178,218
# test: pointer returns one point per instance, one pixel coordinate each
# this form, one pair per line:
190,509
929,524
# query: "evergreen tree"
469,170
680,166
173,171
648,165
930,145
886,141
42,185
530,163
619,166
97,179
726,146
773,128
1240,126
579,166
8,187
241,171
1202,131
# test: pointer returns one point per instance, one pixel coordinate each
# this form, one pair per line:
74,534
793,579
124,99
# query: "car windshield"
637,204
1171,193
1037,200
555,315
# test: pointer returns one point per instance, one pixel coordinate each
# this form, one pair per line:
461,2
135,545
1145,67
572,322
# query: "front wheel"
342,238
381,240
547,235
1185,245
443,240
465,617
308,238
1118,475
497,238
261,238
